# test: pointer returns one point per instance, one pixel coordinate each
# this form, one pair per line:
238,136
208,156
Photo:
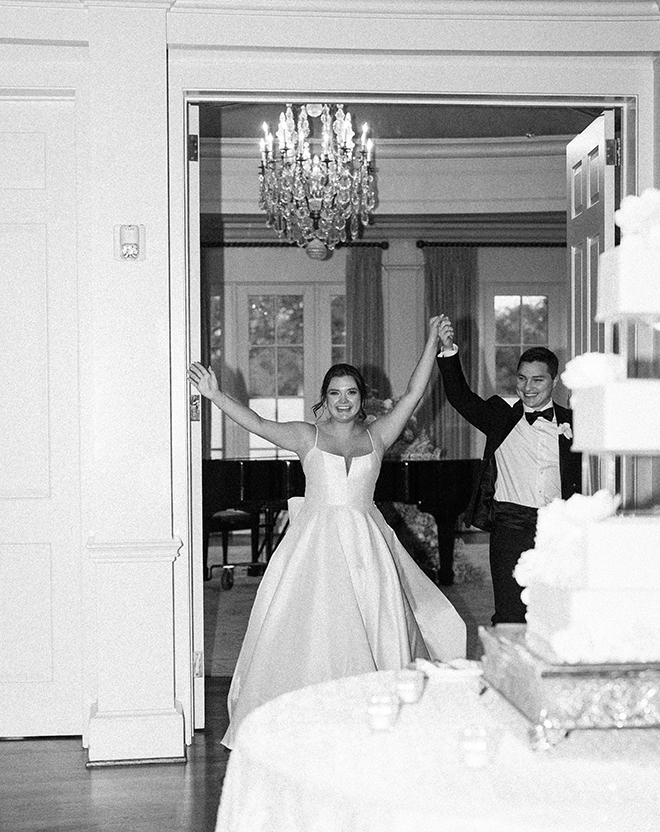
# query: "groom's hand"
446,333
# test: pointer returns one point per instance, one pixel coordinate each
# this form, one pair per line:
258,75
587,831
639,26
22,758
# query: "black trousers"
512,533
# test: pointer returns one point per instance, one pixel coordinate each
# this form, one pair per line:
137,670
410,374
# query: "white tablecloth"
309,762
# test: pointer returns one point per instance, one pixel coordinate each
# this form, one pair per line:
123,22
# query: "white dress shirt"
528,459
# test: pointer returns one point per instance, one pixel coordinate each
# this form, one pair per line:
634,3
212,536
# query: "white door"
590,167
40,593
195,408
591,162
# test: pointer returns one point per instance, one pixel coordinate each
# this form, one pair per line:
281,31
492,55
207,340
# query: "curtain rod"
384,244
486,244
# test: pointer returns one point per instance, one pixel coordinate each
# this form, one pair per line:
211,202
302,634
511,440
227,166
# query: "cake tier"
609,418
593,626
618,552
629,281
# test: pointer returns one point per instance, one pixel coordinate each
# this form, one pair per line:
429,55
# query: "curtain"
365,342
450,287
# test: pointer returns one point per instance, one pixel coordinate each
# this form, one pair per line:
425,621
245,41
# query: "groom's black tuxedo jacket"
496,418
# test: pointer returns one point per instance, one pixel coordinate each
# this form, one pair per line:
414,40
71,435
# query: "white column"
133,713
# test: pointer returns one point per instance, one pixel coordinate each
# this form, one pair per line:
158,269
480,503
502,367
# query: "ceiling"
409,121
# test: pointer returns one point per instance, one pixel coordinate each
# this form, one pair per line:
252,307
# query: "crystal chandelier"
316,199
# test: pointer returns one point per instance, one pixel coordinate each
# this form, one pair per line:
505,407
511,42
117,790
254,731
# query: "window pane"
261,310
507,319
268,409
291,410
290,380
216,316
506,361
535,319
338,320
338,355
261,362
290,319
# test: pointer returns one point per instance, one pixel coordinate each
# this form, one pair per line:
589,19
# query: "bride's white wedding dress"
340,596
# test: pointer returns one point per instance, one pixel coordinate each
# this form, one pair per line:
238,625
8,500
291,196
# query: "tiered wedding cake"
593,579
589,655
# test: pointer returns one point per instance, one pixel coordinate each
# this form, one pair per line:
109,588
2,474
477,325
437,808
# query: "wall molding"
478,148
539,228
138,551
453,9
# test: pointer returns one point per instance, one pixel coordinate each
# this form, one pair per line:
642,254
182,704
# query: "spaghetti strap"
316,437
371,439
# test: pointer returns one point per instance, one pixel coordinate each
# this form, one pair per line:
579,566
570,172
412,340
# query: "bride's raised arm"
292,436
389,427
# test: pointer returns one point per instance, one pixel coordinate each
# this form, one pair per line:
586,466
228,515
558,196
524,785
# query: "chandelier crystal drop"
316,190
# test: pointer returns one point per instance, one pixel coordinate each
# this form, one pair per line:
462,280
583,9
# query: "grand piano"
440,487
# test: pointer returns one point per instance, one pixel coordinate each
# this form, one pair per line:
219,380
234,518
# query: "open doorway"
217,228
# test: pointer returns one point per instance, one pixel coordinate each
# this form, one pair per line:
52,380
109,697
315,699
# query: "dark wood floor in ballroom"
45,787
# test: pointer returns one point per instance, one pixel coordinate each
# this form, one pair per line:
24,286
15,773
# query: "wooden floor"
45,787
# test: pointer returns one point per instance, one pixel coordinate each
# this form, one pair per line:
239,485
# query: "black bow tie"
548,413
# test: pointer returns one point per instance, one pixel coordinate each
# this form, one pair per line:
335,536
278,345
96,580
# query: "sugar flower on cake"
594,369
560,538
640,215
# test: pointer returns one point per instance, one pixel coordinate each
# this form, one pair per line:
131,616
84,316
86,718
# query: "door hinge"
195,414
198,664
613,152
193,148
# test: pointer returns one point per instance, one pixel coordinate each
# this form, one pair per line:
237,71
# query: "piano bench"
224,522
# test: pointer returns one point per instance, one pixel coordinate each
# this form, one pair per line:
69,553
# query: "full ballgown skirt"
340,596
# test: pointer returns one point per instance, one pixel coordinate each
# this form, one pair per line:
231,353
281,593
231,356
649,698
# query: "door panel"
40,593
591,179
590,227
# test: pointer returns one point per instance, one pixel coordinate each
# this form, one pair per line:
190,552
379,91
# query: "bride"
340,596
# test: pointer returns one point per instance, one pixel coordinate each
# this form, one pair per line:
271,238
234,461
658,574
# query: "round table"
309,761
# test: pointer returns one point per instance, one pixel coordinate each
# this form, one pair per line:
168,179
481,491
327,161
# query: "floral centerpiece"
417,529
413,442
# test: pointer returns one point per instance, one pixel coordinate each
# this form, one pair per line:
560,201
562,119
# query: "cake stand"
559,698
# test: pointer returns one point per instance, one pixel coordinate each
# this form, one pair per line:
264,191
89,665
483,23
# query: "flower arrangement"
418,529
422,544
413,442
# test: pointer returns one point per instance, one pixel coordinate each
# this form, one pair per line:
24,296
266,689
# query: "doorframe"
181,349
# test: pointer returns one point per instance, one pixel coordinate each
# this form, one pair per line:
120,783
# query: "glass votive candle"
474,744
383,711
410,685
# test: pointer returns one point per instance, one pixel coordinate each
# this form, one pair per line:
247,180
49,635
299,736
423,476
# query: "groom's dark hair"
542,354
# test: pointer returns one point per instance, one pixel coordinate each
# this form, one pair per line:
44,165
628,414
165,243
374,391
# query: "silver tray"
559,698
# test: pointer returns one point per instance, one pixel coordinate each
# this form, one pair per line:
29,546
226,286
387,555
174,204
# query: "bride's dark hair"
336,371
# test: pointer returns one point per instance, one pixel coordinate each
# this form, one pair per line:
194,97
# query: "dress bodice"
328,483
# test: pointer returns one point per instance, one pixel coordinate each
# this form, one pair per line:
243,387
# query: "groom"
527,461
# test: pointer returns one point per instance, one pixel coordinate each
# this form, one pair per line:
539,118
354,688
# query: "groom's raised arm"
472,407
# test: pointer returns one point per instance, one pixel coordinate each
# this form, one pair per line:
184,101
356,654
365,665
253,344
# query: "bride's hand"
204,379
434,328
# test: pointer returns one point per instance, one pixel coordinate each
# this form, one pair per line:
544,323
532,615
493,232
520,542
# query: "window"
338,329
276,378
271,344
521,321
